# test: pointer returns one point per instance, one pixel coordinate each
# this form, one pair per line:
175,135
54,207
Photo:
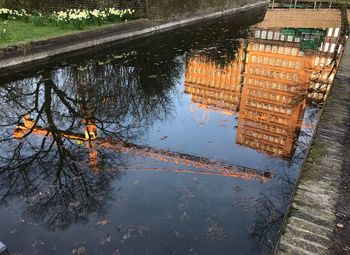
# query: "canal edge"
141,29
310,221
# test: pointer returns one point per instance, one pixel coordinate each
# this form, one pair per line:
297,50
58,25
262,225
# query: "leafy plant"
38,19
4,33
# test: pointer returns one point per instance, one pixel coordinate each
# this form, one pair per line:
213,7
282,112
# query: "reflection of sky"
214,138
157,201
173,209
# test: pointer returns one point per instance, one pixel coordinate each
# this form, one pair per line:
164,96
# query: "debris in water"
131,231
14,231
168,216
184,216
37,244
81,250
214,231
115,252
102,222
237,188
339,225
106,239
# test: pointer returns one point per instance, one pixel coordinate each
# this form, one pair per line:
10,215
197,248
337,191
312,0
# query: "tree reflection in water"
270,210
59,181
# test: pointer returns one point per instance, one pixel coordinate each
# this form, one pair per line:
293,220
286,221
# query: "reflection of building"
213,87
203,165
269,84
324,63
321,47
274,91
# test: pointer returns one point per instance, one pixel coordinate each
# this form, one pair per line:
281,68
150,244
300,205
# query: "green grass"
20,32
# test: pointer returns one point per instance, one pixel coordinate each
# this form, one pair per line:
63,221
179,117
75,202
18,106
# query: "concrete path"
312,221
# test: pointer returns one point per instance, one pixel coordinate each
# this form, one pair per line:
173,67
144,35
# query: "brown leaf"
102,222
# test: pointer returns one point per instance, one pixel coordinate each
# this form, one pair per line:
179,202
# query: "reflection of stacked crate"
273,96
213,87
323,67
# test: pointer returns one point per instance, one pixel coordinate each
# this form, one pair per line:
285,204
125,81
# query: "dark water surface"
188,142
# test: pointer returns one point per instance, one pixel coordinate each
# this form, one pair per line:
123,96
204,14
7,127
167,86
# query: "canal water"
187,142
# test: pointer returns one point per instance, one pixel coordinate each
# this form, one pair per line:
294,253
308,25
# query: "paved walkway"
312,225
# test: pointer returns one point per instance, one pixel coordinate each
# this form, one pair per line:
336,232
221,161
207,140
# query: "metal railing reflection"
93,142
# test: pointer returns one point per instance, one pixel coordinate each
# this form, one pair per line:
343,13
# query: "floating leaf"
106,239
339,225
102,223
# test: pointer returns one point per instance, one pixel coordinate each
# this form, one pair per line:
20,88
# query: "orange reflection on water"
209,167
29,126
213,87
268,84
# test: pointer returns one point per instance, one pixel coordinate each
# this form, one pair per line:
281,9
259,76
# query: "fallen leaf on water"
106,239
184,216
115,252
237,188
214,231
131,231
37,244
177,233
102,222
339,225
81,250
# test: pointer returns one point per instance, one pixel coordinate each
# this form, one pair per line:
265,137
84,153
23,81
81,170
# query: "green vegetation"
19,32
342,1
20,27
316,152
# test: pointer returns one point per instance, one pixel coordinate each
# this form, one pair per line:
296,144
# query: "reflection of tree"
121,95
218,42
56,201
125,100
324,73
50,171
270,210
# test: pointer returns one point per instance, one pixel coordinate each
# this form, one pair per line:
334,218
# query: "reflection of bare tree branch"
270,209
51,172
71,198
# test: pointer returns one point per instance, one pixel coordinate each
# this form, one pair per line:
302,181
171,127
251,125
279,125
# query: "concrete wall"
158,9
153,9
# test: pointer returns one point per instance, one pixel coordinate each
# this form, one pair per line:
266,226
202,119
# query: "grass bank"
19,32
18,28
